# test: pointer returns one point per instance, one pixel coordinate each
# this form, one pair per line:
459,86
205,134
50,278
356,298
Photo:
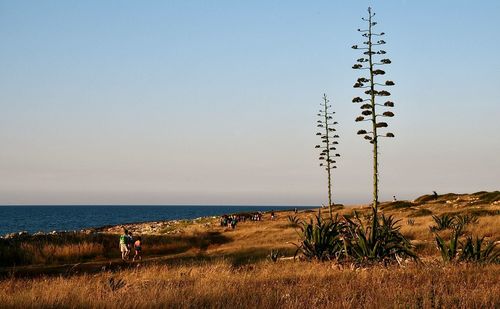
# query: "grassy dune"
205,265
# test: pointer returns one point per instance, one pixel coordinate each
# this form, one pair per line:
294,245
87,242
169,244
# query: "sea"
34,219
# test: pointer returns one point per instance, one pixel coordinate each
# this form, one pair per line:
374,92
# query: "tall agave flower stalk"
328,144
371,62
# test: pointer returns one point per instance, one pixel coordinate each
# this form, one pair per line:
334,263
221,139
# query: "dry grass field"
285,284
231,268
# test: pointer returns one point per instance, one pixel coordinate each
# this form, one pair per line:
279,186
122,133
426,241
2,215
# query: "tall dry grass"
79,247
61,253
285,284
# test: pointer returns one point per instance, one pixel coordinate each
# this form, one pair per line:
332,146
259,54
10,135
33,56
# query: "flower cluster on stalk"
328,134
372,62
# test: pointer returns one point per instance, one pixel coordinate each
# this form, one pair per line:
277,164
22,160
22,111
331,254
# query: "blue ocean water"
68,218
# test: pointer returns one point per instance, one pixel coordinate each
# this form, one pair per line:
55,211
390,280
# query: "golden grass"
263,236
62,253
284,284
215,267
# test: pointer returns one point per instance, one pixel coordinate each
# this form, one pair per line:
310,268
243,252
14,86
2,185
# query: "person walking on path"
130,242
123,244
138,249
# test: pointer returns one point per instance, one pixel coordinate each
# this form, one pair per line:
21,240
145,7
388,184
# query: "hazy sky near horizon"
214,102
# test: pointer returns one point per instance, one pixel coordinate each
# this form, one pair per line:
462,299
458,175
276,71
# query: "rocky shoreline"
147,228
178,226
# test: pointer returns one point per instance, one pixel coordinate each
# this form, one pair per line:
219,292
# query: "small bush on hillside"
274,255
397,205
421,213
484,212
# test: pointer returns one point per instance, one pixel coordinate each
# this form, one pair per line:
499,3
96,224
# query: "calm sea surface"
67,218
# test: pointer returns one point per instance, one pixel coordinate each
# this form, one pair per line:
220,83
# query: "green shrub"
321,240
475,250
348,239
443,222
387,245
464,220
449,250
294,221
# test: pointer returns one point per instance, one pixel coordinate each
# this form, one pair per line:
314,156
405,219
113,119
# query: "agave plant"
447,221
477,251
464,220
449,250
294,221
321,240
389,245
328,146
371,62
472,250
443,222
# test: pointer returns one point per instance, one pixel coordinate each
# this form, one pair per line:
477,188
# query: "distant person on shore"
123,244
272,214
434,193
138,249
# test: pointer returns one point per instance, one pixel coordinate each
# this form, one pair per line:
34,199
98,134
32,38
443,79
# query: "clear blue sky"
214,102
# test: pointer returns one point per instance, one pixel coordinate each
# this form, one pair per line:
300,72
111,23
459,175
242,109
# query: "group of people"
229,221
256,217
127,243
232,220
